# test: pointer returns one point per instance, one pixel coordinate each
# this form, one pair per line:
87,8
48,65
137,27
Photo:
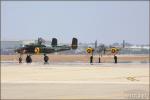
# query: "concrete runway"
74,91
103,81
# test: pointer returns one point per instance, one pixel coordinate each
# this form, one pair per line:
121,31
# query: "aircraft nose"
17,50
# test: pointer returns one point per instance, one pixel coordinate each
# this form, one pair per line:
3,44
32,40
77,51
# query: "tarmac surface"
74,81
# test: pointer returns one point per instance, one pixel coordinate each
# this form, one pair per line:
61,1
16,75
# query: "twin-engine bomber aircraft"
102,49
39,48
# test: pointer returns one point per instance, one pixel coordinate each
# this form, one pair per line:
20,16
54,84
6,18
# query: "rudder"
54,42
74,43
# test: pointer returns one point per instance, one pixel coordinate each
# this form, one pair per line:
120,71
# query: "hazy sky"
105,21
